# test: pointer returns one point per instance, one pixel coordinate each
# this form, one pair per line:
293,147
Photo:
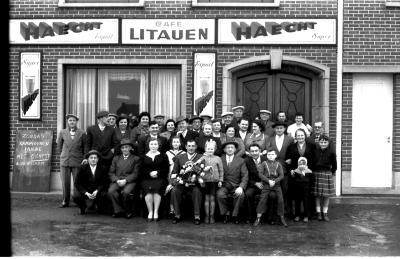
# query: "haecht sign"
168,31
63,31
277,31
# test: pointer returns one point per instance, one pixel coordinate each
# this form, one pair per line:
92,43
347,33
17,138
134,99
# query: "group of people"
234,165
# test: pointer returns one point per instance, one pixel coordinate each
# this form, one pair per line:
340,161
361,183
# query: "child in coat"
301,188
213,175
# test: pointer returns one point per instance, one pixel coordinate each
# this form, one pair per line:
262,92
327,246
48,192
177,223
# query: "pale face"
279,130
254,152
244,125
123,123
93,159
230,132
153,145
125,149
323,144
207,129
238,113
264,116
299,119
216,127
196,124
271,156
154,129
170,126
182,126
144,120
210,149
228,119
71,122
230,149
112,120
191,147
159,120
282,116
176,143
318,128
300,137
256,128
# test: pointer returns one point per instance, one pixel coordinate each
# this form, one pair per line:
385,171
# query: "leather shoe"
257,222
129,215
149,220
326,217
296,219
283,222
197,221
226,219
64,205
176,220
82,211
319,216
235,220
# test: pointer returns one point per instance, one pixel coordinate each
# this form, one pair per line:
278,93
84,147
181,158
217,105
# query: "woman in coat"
122,131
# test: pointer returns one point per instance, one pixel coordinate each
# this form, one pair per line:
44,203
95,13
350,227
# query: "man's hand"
121,183
219,184
84,161
271,183
264,152
239,191
259,185
179,132
94,194
289,161
169,187
112,150
207,168
153,174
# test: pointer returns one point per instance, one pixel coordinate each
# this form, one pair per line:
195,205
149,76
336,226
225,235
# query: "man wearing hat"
183,132
71,142
196,122
265,117
112,120
124,172
280,142
237,114
226,120
102,138
91,184
234,184
159,118
154,133
206,118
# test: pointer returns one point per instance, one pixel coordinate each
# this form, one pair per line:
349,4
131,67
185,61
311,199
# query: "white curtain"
165,92
80,95
107,75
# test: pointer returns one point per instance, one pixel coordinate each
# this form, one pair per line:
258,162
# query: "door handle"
388,139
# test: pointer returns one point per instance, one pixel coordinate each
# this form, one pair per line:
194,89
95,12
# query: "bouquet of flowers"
189,175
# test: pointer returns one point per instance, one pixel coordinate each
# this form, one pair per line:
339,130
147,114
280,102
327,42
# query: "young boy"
301,188
271,176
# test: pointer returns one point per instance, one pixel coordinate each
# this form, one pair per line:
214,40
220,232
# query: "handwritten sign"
32,161
277,31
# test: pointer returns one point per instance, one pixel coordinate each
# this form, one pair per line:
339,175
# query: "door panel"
372,99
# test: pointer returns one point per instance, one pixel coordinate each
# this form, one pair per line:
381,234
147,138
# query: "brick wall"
325,55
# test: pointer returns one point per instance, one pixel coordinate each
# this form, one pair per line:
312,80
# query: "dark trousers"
301,191
66,172
251,193
265,194
223,194
122,197
176,196
84,202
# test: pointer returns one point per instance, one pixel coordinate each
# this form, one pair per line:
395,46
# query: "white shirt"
125,157
101,127
257,161
291,130
190,156
242,134
184,133
229,159
93,168
279,142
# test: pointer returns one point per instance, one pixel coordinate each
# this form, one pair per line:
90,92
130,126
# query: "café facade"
337,61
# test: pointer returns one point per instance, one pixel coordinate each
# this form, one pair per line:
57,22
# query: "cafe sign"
277,31
168,31
63,31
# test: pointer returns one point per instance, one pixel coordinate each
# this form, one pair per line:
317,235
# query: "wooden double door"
275,92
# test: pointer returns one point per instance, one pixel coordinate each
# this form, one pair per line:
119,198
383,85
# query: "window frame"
62,3
392,3
195,3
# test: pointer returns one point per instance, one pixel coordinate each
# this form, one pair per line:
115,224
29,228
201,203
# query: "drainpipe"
339,98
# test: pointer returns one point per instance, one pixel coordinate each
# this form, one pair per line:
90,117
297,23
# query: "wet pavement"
358,227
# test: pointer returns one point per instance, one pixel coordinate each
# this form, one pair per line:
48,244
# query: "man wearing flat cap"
159,118
123,174
102,138
183,132
71,142
265,118
112,120
196,122
234,184
91,184
226,120
237,114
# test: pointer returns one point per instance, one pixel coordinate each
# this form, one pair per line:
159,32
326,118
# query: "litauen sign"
277,31
64,31
168,31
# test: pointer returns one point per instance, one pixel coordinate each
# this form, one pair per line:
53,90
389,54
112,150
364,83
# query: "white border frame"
62,3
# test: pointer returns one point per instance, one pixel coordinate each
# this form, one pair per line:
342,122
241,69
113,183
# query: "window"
392,3
122,91
233,3
100,3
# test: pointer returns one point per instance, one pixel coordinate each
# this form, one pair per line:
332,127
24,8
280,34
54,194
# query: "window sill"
195,3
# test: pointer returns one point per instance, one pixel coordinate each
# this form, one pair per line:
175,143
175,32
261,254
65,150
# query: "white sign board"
64,31
30,86
168,31
277,31
204,84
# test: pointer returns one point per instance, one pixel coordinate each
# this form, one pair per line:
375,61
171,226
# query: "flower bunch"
189,175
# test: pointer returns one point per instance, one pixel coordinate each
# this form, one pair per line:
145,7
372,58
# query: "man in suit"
154,133
280,142
243,129
254,185
183,132
102,138
226,120
179,188
196,122
91,184
237,114
265,117
71,142
123,174
234,184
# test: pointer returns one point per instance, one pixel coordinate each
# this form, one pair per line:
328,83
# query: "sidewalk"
359,226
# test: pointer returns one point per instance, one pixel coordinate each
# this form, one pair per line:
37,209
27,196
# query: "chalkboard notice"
32,161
